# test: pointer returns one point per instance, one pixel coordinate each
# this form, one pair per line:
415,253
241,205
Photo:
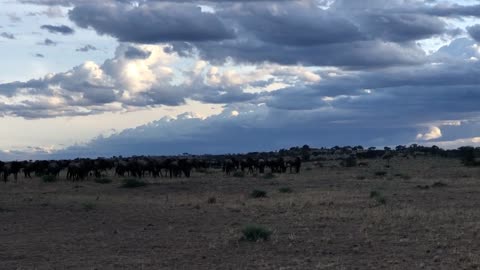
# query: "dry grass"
329,222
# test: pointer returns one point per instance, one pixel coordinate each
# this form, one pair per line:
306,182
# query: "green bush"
439,184
269,175
133,183
103,181
403,176
285,190
88,206
378,197
239,174
380,173
258,194
49,178
255,233
212,200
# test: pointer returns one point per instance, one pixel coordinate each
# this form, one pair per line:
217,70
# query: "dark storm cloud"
454,10
7,35
294,24
362,54
348,34
402,27
151,24
58,29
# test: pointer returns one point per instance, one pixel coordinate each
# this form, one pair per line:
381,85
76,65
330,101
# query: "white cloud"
432,134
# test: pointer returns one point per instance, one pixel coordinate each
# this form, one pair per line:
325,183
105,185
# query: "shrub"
201,170
239,174
285,190
133,183
380,173
350,161
374,194
403,176
269,175
258,194
103,181
381,200
378,197
212,200
255,233
49,178
361,177
88,206
439,184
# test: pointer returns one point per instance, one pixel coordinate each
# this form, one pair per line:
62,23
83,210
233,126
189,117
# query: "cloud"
39,55
14,18
48,42
58,29
433,133
474,32
172,22
120,84
7,35
136,53
86,48
50,12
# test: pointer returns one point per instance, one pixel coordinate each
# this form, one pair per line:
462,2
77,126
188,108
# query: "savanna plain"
421,213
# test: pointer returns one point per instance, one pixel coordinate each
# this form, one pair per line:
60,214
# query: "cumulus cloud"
311,71
432,134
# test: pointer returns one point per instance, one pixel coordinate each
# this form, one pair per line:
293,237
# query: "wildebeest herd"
143,166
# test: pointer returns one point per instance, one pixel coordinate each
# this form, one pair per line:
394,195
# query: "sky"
84,78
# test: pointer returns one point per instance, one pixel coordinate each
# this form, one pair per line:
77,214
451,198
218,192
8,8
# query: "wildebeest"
294,163
8,168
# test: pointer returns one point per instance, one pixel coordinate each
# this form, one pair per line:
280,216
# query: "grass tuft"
258,194
285,190
212,200
255,233
103,180
378,197
133,183
239,174
49,178
269,175
439,185
88,206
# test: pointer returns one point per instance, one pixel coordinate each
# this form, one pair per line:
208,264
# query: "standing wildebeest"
79,169
260,165
294,163
228,166
277,165
8,168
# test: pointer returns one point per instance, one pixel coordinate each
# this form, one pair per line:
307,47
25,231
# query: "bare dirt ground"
329,221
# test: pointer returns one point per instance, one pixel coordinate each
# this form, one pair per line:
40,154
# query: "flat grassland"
424,213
